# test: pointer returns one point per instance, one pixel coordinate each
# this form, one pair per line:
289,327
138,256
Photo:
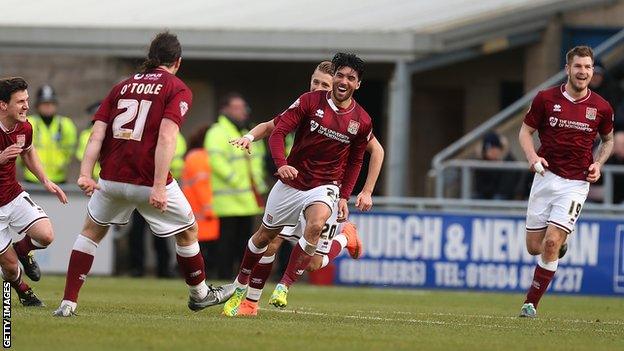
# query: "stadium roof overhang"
380,31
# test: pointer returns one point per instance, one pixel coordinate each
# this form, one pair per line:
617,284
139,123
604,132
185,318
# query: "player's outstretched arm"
91,154
165,148
606,146
364,200
525,137
33,163
258,132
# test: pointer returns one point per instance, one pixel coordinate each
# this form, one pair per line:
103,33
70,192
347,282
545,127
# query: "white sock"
550,266
267,259
187,251
199,291
253,248
86,245
238,284
34,242
325,261
72,304
307,247
341,239
254,294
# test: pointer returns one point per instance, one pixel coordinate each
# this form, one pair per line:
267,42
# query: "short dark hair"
164,50
580,51
350,60
10,85
227,98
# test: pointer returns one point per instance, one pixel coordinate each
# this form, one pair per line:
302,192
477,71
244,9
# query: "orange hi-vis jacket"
198,190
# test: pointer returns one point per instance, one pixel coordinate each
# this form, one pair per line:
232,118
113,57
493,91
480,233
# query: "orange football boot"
354,244
248,308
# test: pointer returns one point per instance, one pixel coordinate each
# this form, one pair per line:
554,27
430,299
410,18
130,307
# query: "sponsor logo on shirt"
319,113
332,134
553,121
313,125
149,76
353,127
183,108
590,113
557,108
269,218
21,140
564,123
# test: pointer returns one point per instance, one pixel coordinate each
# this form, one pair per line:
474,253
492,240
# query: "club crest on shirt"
183,108
353,127
313,125
21,140
553,121
590,113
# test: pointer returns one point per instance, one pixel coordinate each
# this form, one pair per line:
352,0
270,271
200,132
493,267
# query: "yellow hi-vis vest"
55,146
232,170
177,163
83,140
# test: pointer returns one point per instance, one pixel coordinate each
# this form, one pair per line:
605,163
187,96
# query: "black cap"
46,94
491,140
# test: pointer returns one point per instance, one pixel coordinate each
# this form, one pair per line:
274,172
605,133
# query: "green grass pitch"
149,314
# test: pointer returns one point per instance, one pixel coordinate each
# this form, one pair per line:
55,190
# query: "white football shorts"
285,203
330,230
18,215
115,201
555,201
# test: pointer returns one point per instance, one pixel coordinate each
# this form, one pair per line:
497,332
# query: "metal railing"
466,169
509,112
407,204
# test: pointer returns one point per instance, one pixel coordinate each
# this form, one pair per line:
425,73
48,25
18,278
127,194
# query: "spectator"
178,158
83,138
238,181
54,137
198,190
493,184
603,84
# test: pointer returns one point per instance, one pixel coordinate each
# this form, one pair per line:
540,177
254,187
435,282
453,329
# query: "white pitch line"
487,316
416,321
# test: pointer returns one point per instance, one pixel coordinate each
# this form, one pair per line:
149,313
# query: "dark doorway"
437,120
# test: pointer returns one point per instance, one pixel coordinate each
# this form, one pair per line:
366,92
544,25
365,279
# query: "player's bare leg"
256,247
316,216
534,241
11,272
258,279
348,238
191,264
37,237
80,263
545,270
